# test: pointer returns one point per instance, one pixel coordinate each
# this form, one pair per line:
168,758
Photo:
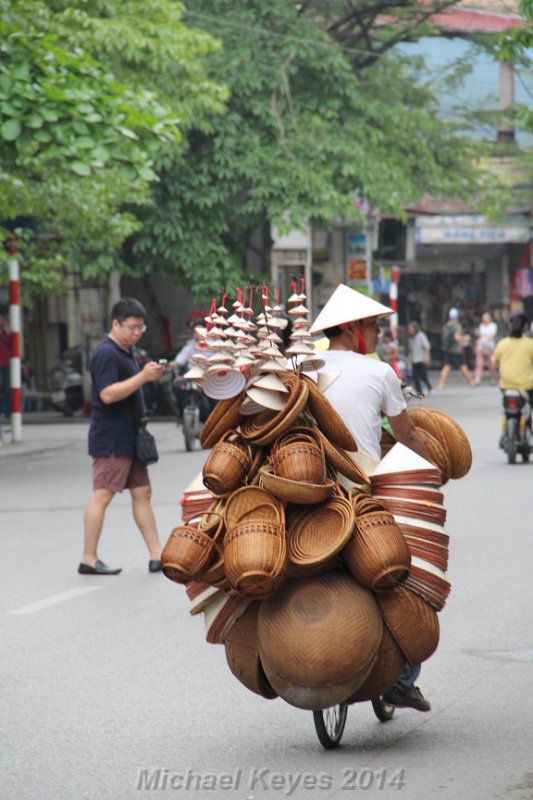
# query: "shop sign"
470,229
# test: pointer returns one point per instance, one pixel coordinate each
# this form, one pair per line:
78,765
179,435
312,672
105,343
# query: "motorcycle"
65,381
195,409
517,437
158,395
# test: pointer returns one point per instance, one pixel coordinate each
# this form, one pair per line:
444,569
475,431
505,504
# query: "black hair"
127,307
517,325
332,333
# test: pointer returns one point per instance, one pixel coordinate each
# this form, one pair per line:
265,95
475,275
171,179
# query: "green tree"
87,110
320,114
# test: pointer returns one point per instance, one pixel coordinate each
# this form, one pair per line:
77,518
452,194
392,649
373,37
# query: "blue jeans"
409,676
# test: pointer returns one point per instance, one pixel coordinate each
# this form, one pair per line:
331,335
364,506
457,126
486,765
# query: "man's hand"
152,371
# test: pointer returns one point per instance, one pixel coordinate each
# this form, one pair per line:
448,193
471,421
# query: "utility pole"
14,324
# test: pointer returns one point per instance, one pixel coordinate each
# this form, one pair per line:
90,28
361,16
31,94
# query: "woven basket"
412,622
342,462
377,555
299,492
300,462
227,464
437,451
255,556
458,444
320,533
186,553
242,653
318,639
225,416
250,502
265,427
385,672
328,420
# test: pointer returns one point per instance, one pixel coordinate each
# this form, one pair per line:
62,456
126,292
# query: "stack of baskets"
319,593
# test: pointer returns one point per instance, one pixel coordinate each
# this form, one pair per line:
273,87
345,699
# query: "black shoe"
154,565
406,698
99,569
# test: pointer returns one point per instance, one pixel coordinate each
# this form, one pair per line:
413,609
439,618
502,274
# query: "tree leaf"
10,130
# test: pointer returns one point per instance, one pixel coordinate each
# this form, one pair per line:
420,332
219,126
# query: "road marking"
55,599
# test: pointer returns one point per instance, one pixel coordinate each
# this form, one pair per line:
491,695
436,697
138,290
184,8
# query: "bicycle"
330,722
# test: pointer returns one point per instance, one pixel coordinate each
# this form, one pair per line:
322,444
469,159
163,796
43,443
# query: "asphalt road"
108,690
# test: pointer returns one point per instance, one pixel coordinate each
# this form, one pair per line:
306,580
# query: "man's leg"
404,693
465,372
144,517
445,371
93,521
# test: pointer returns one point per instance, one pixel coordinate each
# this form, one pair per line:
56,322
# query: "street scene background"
107,680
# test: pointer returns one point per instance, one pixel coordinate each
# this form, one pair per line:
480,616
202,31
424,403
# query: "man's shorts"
454,360
116,473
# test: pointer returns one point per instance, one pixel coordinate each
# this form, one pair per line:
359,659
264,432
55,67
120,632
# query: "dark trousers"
5,391
420,376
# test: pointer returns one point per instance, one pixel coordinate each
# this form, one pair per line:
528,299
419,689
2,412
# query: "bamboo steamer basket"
242,653
255,556
318,639
227,464
385,672
377,554
413,623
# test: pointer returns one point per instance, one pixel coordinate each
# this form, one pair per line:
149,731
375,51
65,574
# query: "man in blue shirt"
117,384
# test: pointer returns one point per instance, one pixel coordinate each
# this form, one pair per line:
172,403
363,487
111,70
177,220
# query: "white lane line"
55,599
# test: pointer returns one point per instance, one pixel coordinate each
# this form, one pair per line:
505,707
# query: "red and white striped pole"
14,324
393,299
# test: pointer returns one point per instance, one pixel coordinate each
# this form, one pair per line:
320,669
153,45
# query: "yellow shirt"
514,358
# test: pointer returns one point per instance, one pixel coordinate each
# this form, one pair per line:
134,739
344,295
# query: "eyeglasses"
134,328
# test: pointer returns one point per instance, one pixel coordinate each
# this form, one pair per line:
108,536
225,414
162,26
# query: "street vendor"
364,390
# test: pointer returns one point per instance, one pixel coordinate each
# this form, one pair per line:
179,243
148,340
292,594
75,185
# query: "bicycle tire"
329,725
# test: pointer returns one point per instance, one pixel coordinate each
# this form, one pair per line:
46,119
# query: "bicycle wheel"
329,725
383,711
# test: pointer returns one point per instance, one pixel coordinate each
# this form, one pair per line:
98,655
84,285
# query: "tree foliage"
84,117
322,113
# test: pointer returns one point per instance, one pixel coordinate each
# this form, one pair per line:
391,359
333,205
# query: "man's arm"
122,389
406,433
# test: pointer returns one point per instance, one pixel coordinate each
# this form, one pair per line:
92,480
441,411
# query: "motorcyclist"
513,357
182,362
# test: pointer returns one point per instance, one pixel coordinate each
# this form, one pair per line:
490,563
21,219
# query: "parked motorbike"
158,395
65,382
516,437
195,409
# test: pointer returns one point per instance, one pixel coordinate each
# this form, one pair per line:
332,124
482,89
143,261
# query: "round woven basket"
327,418
265,427
250,502
299,492
318,639
255,556
227,464
385,672
458,444
377,553
438,452
242,653
300,461
320,533
413,623
225,416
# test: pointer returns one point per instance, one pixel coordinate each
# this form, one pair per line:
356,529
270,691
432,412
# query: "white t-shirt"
365,390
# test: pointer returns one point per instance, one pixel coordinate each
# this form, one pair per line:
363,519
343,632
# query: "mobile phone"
163,362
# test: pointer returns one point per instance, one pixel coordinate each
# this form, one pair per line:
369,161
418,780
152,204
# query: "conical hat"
401,459
347,305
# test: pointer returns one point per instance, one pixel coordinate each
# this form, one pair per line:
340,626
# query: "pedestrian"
388,349
484,348
112,435
363,390
419,354
454,342
5,367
